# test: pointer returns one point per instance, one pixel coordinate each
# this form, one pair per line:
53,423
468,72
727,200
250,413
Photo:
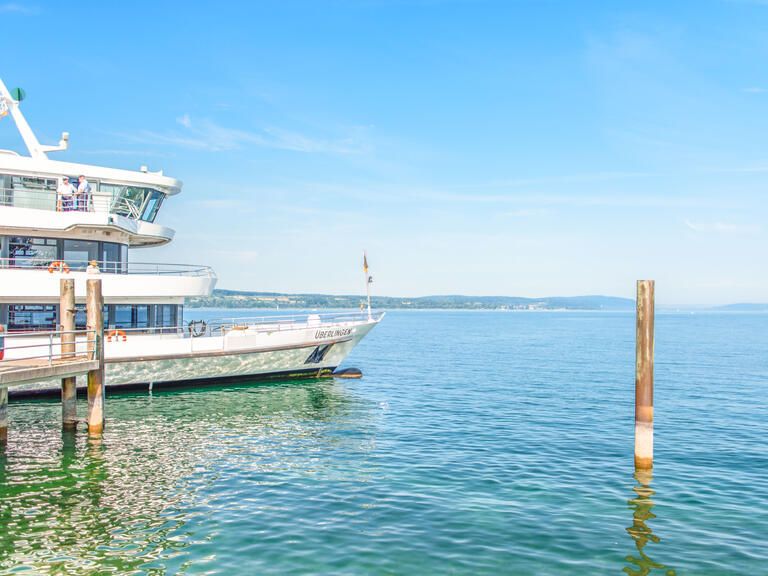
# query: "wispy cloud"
525,212
15,8
755,90
208,135
722,227
585,178
121,152
605,200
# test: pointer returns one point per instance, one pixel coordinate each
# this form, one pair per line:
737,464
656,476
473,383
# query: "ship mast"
36,150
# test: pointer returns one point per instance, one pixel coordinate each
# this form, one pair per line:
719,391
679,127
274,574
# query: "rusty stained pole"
644,376
94,305
69,384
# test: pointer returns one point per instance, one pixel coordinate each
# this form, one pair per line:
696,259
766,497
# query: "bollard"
644,376
94,304
69,384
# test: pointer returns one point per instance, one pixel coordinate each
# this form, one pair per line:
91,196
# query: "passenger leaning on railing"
83,195
66,196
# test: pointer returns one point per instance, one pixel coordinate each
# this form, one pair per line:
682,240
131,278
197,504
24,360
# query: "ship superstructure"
49,228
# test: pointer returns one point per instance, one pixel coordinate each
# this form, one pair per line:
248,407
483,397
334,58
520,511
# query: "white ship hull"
258,352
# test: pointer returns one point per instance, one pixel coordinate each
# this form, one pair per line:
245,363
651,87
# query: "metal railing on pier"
25,348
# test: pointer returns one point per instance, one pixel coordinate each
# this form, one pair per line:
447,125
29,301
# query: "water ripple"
487,443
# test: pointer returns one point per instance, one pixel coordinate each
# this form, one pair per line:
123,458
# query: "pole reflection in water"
640,531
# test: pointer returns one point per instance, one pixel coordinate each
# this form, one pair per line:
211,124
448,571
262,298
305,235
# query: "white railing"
95,201
46,346
107,267
287,322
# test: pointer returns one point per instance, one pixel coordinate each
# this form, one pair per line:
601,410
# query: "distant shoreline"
236,299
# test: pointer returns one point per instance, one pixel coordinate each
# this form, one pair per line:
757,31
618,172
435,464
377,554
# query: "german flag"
365,263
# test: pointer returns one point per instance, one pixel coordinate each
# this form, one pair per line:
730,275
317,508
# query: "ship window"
164,315
134,201
31,192
27,252
77,253
131,316
22,317
81,317
152,206
110,257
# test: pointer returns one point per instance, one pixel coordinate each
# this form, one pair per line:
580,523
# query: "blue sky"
472,147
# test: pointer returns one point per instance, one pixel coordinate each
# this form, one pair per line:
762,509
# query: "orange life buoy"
58,265
117,334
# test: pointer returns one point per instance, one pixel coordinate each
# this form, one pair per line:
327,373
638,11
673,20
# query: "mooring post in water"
644,376
3,417
69,384
94,305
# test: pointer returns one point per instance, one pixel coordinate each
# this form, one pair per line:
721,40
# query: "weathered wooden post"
69,384
3,417
644,376
94,305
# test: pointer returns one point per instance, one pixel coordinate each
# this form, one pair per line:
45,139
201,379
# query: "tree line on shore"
243,299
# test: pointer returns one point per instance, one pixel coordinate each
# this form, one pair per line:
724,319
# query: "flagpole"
367,282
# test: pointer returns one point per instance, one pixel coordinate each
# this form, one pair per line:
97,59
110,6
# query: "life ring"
197,328
117,334
58,265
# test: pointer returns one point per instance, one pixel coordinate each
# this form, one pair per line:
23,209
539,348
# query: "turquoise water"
476,443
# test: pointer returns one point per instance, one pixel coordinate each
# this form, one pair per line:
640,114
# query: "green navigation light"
18,94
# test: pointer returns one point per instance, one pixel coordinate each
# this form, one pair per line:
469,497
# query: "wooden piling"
67,324
644,376
94,304
3,417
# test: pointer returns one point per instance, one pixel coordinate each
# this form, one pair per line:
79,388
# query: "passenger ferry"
48,232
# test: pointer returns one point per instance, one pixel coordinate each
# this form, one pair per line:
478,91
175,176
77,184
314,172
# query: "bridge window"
134,201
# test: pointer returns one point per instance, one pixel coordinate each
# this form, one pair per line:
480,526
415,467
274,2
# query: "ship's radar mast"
9,104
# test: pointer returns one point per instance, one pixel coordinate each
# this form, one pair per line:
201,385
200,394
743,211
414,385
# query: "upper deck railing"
106,267
94,201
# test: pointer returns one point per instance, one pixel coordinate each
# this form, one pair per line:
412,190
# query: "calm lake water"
476,443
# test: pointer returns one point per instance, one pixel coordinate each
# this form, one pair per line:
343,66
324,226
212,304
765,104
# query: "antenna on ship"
368,281
9,103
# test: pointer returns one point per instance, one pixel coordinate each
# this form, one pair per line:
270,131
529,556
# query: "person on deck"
83,194
66,195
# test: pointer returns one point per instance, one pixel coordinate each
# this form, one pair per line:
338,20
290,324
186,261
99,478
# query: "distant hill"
244,299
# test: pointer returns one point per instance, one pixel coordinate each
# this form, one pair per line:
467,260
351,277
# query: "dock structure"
61,354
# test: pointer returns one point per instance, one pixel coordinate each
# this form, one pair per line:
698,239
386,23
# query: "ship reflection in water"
139,499
642,505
